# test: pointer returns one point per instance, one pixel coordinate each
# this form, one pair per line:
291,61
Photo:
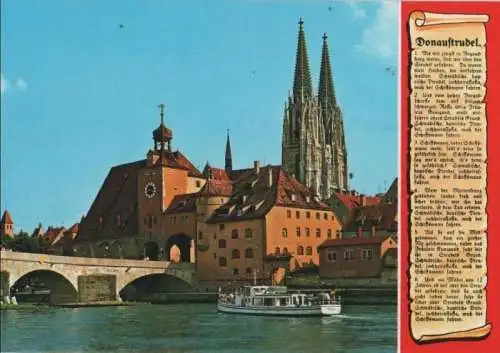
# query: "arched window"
277,250
248,253
300,250
318,233
235,254
285,251
309,251
234,234
222,243
222,262
248,233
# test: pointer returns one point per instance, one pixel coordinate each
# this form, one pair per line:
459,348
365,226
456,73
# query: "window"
234,234
367,254
200,235
309,251
222,226
215,236
332,256
297,214
249,253
333,217
145,220
308,214
277,250
154,220
300,250
288,214
222,262
308,232
235,254
348,254
285,251
318,233
329,234
150,222
235,272
248,233
337,233
198,183
248,271
318,215
215,255
222,243
284,233
298,231
325,215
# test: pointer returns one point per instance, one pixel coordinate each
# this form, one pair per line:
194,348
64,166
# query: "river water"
195,328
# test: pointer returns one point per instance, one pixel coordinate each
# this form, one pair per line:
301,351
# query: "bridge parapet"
81,261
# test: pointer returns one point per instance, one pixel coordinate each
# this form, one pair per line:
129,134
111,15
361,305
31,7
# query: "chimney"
269,176
362,200
256,166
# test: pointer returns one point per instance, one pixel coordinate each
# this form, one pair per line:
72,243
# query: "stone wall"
96,288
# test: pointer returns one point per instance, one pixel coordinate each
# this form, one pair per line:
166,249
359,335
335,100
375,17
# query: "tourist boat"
276,300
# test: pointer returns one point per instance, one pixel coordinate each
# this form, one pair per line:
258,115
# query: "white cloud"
357,11
4,84
21,84
381,37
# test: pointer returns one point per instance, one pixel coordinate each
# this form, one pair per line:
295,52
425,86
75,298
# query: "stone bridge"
82,279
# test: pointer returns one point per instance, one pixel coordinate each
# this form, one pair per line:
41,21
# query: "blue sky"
80,94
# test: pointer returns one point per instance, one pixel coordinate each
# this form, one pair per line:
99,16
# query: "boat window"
268,301
282,301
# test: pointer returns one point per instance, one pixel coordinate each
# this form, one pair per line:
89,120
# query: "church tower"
229,158
313,144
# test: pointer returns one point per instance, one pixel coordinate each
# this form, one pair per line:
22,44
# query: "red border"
492,342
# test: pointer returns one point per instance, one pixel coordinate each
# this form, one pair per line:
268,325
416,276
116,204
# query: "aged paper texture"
447,173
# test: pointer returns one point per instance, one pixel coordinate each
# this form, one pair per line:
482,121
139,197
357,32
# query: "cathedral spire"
229,159
302,85
326,92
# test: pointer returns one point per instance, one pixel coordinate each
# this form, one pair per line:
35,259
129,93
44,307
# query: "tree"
22,242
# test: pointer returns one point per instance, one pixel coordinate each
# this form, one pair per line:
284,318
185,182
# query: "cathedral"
313,145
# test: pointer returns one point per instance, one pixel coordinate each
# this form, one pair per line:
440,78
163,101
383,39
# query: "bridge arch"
62,289
147,287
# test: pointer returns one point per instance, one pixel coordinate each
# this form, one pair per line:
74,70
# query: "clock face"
150,190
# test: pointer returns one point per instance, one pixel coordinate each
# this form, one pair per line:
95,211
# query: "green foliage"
22,242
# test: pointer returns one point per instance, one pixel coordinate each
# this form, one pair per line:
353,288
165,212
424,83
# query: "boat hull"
316,310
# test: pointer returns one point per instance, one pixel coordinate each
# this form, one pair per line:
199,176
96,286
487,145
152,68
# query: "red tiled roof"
354,241
182,203
353,201
6,218
52,233
215,173
251,196
381,216
73,228
177,160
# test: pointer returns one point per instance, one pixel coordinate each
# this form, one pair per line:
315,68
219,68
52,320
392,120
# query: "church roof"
6,218
253,196
162,133
177,160
302,84
118,196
